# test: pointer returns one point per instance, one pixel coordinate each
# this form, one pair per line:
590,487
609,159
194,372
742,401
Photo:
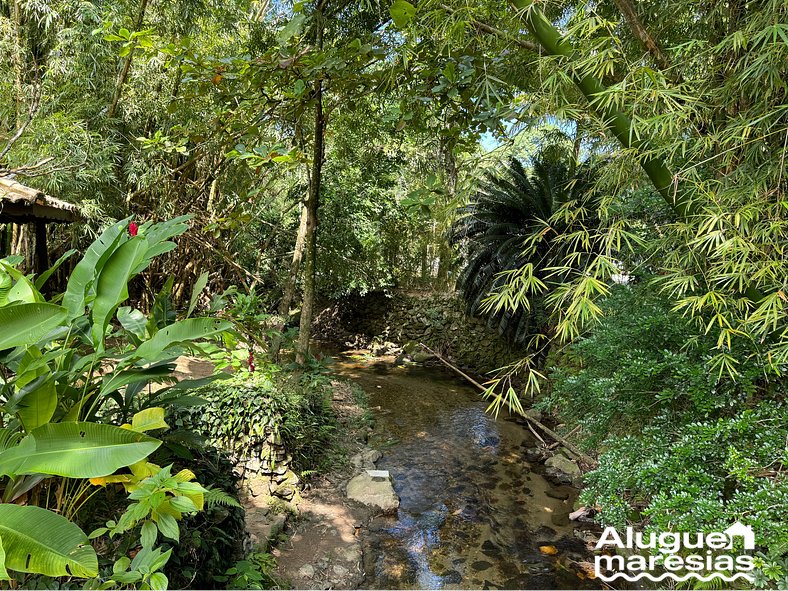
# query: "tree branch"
32,111
643,35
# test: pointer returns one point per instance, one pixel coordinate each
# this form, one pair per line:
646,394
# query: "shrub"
76,414
642,363
683,447
213,539
242,412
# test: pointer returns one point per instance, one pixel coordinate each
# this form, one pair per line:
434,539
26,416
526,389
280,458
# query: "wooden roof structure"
20,204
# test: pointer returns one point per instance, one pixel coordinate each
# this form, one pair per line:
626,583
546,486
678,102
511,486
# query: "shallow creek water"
473,512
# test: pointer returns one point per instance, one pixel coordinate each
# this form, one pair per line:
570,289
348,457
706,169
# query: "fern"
216,497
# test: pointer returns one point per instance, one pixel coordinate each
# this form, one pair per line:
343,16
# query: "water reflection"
472,513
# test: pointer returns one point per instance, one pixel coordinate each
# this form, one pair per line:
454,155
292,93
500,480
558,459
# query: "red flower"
133,228
250,361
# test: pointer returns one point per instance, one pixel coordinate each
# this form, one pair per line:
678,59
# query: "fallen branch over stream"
569,447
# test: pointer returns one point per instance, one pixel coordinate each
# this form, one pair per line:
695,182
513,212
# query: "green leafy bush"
243,412
684,448
253,572
212,539
75,411
642,363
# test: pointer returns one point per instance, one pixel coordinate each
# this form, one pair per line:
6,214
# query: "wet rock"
562,471
560,495
570,544
520,582
307,571
421,357
491,550
452,577
481,565
533,455
589,538
563,464
546,532
559,519
365,459
373,490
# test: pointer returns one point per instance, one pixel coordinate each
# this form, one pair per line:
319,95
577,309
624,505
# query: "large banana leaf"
185,331
74,300
132,376
5,286
42,279
39,541
112,284
133,321
23,289
35,403
76,450
3,572
199,285
161,231
158,236
25,324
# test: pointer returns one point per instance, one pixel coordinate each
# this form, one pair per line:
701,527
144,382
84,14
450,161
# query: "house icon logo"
743,531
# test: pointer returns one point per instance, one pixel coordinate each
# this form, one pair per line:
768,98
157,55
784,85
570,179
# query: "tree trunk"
42,251
290,287
124,72
18,60
22,244
445,253
310,243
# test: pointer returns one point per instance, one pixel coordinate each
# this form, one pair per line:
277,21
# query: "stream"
473,512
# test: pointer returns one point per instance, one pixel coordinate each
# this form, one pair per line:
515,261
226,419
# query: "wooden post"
42,254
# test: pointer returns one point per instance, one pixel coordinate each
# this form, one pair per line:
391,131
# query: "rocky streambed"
441,495
478,509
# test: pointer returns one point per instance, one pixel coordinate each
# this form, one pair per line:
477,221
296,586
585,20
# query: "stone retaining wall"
436,319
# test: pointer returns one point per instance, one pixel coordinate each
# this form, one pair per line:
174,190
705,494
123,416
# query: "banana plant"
73,369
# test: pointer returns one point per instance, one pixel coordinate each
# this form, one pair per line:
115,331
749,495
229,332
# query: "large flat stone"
373,490
564,465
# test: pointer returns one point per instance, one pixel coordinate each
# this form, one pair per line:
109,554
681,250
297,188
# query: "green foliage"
63,550
242,413
66,377
496,231
683,447
665,370
211,540
253,572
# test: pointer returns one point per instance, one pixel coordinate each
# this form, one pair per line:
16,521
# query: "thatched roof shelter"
20,204
23,205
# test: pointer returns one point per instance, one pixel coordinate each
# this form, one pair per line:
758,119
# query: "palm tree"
493,228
